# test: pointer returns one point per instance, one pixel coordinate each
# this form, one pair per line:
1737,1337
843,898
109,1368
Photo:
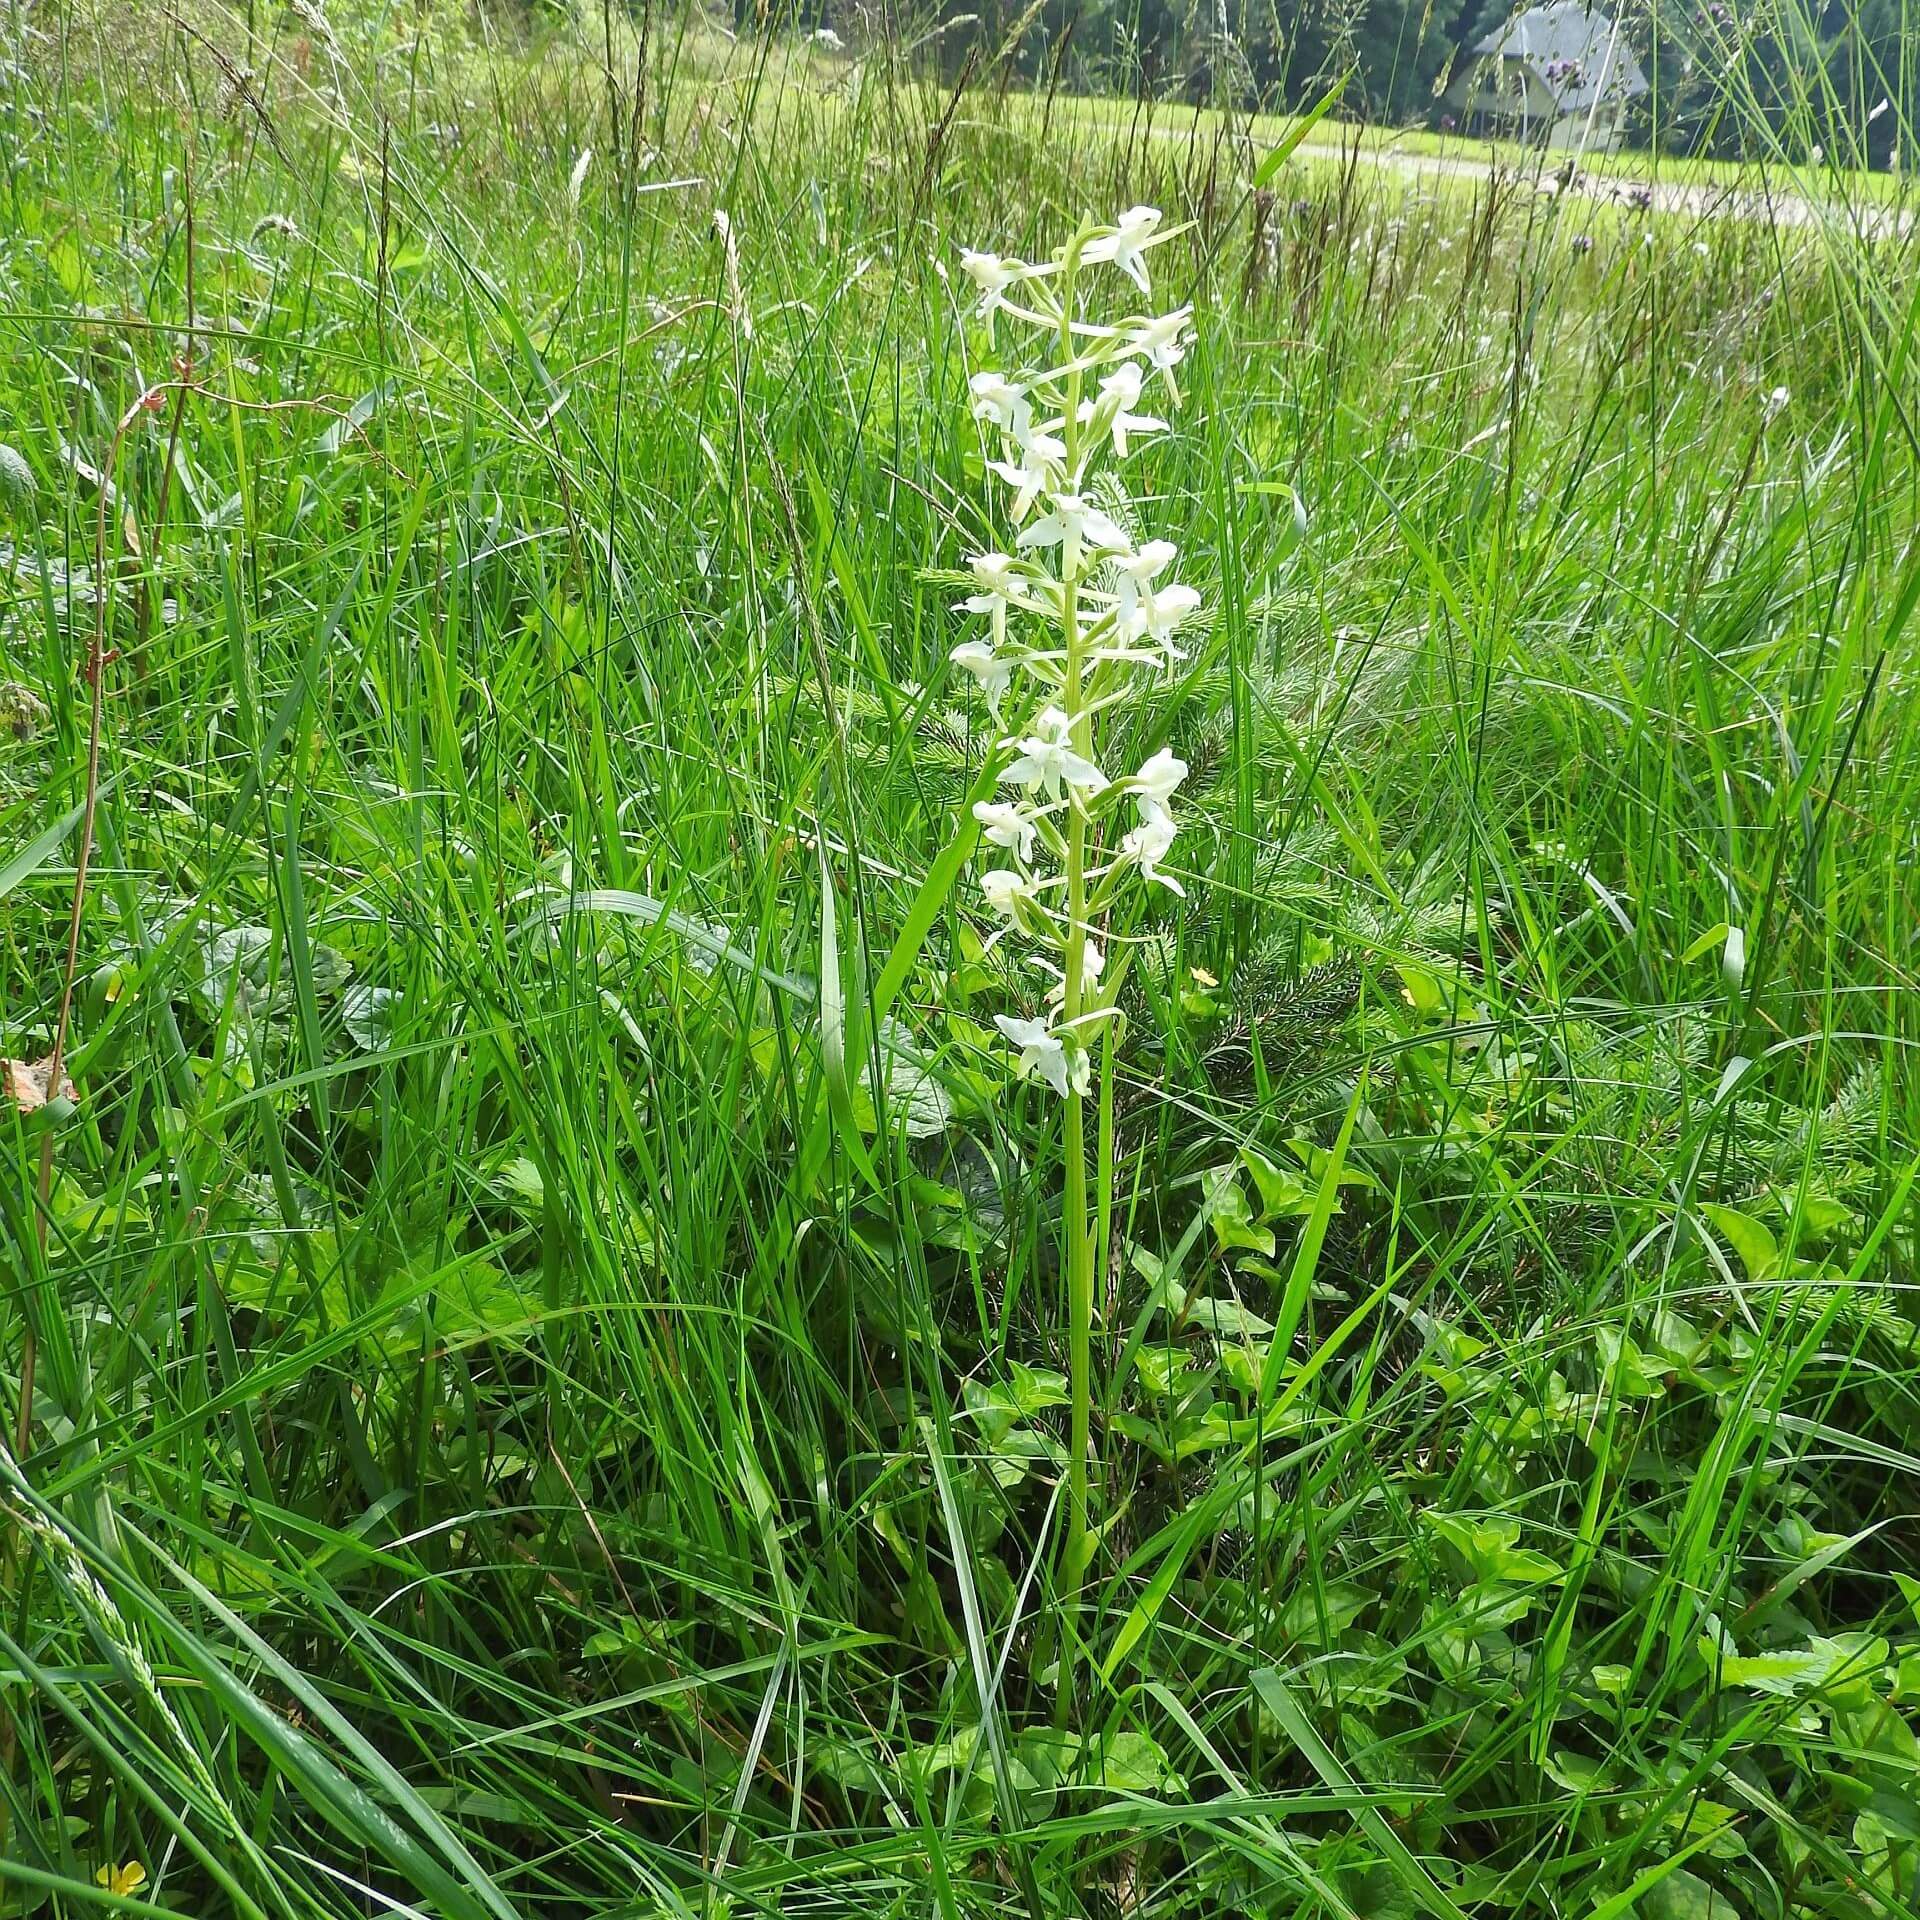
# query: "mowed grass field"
1781,177
511,1433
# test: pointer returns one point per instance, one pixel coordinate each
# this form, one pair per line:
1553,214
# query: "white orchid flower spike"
1078,622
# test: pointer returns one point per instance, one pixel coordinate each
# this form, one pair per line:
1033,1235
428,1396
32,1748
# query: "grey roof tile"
1574,52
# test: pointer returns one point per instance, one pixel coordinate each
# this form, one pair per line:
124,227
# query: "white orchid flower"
1163,342
1150,842
1136,567
994,605
1032,474
993,670
1160,776
1093,963
1042,446
1001,402
1125,245
1006,891
1048,758
1160,613
1042,1051
1006,825
999,589
1075,526
992,276
1143,611
1120,390
997,573
1045,440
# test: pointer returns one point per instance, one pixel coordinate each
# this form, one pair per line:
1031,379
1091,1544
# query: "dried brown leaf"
23,1083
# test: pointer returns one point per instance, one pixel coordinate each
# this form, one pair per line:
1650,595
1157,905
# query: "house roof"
1573,51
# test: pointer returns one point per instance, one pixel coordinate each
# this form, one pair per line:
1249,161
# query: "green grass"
496,1448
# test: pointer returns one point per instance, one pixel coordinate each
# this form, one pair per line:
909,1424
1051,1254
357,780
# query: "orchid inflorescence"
1078,616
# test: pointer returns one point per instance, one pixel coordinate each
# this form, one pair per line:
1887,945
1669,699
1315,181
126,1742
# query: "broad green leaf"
1283,1193
1231,1217
1680,1895
1758,1250
1133,1762
1319,1618
1490,1548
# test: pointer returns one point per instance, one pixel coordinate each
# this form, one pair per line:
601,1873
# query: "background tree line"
1736,78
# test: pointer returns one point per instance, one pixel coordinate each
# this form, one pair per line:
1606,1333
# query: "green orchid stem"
1076,1225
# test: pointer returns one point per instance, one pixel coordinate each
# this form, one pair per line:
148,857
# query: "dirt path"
1697,201
1701,200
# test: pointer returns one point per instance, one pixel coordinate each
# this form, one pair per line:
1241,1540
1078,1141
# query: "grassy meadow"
534,1355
